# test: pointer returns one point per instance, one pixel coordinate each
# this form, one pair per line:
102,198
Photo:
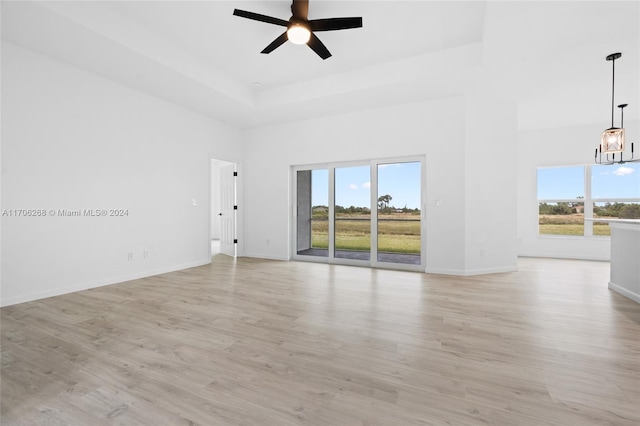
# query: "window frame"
588,201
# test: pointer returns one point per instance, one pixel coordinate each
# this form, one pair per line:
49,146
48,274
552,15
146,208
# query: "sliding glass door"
399,213
312,213
352,213
365,213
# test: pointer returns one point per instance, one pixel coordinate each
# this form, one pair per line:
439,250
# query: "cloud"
623,171
366,185
353,186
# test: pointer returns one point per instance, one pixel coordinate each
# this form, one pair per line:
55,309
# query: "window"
568,195
615,193
561,193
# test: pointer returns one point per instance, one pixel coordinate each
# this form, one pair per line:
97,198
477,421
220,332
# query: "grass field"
399,235
571,224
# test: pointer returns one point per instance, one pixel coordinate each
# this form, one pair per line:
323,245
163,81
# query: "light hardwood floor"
256,342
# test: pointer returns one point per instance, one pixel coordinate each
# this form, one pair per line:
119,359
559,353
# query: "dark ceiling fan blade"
317,46
332,24
275,43
300,9
261,18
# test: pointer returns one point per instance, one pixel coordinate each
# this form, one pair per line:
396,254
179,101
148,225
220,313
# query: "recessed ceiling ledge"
427,66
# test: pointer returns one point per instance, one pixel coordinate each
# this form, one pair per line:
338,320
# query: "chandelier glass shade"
612,140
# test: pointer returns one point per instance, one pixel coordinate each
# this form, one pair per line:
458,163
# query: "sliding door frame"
294,212
373,165
375,263
332,205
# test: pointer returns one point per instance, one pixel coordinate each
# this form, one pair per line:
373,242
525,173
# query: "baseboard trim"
99,283
264,256
625,292
471,272
547,255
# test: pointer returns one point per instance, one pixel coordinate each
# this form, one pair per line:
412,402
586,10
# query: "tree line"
619,210
384,206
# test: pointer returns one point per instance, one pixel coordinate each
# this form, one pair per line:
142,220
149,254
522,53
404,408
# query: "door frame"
216,192
373,260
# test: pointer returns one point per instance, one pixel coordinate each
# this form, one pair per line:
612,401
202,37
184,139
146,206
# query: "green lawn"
403,236
394,236
569,224
600,229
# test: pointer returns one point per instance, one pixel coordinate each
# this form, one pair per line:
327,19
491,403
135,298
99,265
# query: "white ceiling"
546,56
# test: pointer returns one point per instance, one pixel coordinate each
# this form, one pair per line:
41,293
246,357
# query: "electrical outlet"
130,255
145,253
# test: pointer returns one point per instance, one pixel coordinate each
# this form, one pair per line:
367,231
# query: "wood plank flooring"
256,342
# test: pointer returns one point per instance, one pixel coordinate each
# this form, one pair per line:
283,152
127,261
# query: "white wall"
215,199
435,129
490,167
73,140
557,147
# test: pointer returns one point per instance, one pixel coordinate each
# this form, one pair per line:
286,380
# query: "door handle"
219,214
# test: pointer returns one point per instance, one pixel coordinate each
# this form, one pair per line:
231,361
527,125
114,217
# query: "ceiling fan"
300,30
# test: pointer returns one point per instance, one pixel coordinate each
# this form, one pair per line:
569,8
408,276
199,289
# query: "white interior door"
227,210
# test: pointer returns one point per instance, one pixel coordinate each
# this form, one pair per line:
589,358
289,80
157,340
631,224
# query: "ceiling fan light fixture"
300,29
298,33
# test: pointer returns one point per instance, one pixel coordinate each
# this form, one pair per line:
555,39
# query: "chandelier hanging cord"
613,58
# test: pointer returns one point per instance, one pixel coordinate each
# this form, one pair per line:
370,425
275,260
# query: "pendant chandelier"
612,140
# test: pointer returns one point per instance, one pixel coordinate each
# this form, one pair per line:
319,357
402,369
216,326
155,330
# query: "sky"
402,182
611,181
353,185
